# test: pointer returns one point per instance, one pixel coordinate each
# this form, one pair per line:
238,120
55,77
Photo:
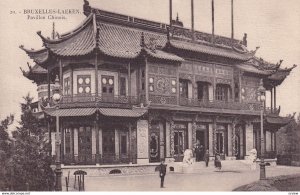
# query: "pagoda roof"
119,36
210,50
274,121
38,56
117,112
34,73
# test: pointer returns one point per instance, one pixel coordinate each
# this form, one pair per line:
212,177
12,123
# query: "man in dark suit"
162,173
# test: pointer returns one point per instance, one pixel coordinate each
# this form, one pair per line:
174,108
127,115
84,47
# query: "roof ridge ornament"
86,8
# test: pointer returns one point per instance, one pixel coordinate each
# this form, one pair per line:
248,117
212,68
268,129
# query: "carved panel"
162,69
204,79
223,71
186,76
224,81
172,139
250,81
142,139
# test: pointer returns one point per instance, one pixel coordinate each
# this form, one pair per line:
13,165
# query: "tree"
288,138
5,152
31,160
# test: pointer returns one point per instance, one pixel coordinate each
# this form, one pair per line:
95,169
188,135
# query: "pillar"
100,142
53,135
142,142
168,143
94,144
249,138
190,135
117,148
130,142
230,151
210,139
76,144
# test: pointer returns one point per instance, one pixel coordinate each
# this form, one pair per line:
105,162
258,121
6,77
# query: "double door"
180,141
85,145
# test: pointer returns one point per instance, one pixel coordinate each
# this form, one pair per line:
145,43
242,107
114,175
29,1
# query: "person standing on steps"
206,158
162,173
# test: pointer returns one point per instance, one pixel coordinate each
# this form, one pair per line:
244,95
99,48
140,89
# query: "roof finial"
53,30
177,17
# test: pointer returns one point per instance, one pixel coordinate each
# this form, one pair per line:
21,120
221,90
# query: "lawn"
279,183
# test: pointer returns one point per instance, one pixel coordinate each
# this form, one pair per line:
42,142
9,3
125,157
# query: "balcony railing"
219,104
92,98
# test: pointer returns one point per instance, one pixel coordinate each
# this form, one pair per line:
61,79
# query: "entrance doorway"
85,145
222,140
180,141
108,146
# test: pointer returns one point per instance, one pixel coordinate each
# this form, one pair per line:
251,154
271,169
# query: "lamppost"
56,99
262,98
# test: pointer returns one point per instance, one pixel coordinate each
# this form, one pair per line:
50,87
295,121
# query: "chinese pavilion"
137,91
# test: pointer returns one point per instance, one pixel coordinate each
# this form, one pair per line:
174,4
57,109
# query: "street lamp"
262,98
56,99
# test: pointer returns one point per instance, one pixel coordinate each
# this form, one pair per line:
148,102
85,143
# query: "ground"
204,179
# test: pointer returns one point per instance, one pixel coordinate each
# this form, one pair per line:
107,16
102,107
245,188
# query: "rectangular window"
68,141
183,88
122,86
67,88
221,92
83,84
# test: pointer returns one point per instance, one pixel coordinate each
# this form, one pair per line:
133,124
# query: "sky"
271,24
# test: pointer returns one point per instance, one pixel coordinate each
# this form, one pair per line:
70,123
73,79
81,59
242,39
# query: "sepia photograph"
149,95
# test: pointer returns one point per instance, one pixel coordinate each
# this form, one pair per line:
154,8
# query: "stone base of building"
230,158
105,170
142,161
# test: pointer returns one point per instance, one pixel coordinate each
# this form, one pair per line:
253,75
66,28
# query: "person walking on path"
218,164
206,158
162,173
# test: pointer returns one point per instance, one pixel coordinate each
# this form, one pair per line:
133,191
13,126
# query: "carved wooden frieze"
197,68
186,76
204,79
162,69
250,81
222,71
224,81
142,139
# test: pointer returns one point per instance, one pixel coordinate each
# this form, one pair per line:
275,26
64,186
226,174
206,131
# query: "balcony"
219,104
90,100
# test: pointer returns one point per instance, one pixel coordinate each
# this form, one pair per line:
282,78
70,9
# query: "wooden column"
49,131
129,82
48,80
72,82
271,99
62,144
146,81
96,75
97,139
72,143
275,98
130,150
60,73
